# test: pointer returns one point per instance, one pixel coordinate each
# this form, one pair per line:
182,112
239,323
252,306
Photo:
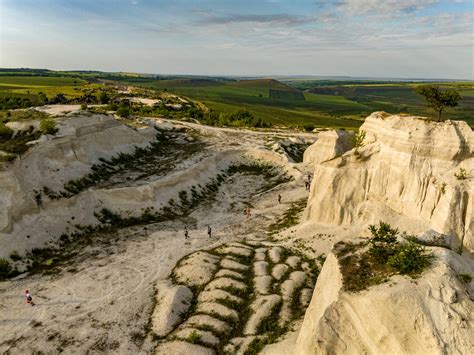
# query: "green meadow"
292,103
323,106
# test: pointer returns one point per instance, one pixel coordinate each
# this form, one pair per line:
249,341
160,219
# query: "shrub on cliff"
410,258
362,267
406,258
383,243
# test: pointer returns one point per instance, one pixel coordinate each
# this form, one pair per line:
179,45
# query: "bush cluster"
5,269
5,132
240,118
11,103
405,258
48,126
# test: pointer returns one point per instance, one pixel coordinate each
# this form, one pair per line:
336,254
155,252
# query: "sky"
364,38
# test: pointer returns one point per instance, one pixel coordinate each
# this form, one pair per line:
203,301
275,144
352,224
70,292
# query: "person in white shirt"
29,298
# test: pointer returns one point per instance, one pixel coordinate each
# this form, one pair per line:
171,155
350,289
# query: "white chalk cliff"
406,168
432,315
405,173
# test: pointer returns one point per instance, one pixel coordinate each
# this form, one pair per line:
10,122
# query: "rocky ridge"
407,167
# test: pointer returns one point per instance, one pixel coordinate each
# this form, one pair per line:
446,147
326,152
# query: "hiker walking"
307,185
186,233
309,178
209,231
279,198
28,298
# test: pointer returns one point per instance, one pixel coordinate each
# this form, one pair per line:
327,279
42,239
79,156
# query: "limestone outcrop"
409,168
433,315
330,144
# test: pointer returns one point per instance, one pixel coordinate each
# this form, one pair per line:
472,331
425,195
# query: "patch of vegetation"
466,278
362,267
321,258
16,145
141,164
290,218
383,243
5,269
15,102
21,115
461,174
194,337
410,259
15,256
359,139
48,126
5,132
239,118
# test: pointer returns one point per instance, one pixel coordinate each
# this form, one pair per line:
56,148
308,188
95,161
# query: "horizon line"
356,77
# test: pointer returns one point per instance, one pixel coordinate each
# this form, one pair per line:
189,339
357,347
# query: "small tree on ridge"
438,99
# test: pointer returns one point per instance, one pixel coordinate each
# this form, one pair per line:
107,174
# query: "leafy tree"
438,99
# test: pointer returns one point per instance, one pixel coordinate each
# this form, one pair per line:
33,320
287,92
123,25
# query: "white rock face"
22,126
197,269
407,167
81,141
433,315
329,145
172,302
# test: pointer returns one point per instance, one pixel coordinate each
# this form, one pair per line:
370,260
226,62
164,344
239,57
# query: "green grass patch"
290,218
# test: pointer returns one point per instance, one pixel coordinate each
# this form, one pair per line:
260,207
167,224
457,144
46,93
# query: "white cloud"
357,7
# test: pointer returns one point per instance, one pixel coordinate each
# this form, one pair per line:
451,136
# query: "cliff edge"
414,171
429,315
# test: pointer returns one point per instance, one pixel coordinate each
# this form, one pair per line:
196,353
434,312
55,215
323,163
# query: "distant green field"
254,95
337,106
402,98
341,104
29,86
33,81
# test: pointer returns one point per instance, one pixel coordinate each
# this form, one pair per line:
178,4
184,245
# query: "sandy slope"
102,300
